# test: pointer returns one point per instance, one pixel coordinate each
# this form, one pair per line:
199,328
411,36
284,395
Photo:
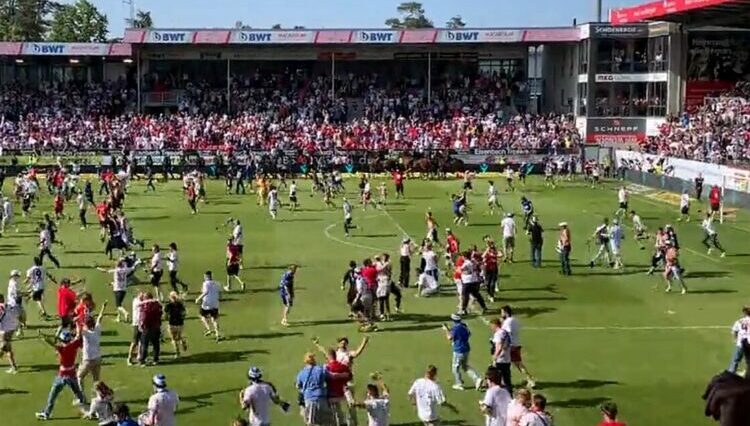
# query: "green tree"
143,19
455,23
79,22
25,20
276,27
412,16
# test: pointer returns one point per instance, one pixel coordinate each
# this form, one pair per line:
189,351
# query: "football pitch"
595,336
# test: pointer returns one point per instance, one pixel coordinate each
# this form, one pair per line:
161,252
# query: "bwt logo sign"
49,48
376,36
463,36
255,37
169,37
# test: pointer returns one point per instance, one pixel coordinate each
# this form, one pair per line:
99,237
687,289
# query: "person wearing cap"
162,405
405,251
458,334
66,346
536,240
8,325
15,298
609,412
257,397
564,248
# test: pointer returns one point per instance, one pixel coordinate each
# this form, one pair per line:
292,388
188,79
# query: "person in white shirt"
82,204
684,207
162,405
45,244
427,285
496,400
273,202
377,403
35,280
7,221
639,230
741,333
209,301
508,225
293,201
156,268
257,397
430,261
427,394
8,326
91,359
237,239
536,415
622,200
120,275
492,200
518,407
501,352
135,322
102,407
173,265
15,298
513,327
615,242
405,251
711,235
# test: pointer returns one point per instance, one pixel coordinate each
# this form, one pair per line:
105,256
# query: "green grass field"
595,336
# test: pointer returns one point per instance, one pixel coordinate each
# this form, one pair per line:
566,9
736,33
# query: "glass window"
658,50
656,99
583,57
582,93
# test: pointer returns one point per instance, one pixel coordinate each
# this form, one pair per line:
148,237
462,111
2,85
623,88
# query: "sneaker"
130,362
12,370
184,346
531,384
591,264
478,384
492,299
226,288
709,251
207,333
668,289
723,254
42,416
458,387
684,291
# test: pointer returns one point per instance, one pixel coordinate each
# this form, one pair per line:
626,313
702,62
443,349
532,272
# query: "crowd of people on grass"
717,132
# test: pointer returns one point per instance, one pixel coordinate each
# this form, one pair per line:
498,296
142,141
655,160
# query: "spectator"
312,384
150,328
609,411
162,405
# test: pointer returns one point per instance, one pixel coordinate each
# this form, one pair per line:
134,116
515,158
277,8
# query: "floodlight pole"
598,10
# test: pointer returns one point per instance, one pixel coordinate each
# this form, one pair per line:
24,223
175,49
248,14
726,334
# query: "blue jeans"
536,255
736,358
57,386
461,363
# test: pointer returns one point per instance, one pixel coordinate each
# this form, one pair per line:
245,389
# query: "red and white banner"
212,37
658,9
135,35
418,36
541,35
121,49
10,48
333,37
273,37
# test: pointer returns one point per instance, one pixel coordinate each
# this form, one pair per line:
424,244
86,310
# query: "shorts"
239,248
6,337
715,207
685,210
433,236
175,331
509,242
317,412
137,333
90,366
467,185
37,295
233,269
515,354
293,199
287,300
173,277
624,205
156,277
213,313
119,298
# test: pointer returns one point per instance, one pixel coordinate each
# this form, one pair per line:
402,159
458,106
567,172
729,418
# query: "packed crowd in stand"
718,132
284,111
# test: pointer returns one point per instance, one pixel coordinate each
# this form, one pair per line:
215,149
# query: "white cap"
15,273
561,224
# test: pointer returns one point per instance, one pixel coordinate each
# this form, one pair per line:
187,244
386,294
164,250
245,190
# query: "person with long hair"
175,313
102,406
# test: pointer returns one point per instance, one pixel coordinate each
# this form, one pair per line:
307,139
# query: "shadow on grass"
338,321
413,327
301,219
531,299
8,391
531,312
713,291
552,288
576,384
271,267
271,335
377,236
217,357
707,274
579,402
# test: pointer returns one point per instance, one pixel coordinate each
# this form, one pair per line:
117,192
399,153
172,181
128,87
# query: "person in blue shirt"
311,383
122,412
286,291
528,212
459,335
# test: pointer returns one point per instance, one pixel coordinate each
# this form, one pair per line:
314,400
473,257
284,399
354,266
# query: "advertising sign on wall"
615,131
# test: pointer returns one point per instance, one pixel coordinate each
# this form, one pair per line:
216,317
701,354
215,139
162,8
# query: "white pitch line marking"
327,233
395,222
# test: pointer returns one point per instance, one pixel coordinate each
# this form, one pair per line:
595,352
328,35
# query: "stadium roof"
726,13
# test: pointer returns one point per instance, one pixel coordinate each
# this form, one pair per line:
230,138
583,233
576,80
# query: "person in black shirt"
174,313
150,179
536,240
88,192
350,279
699,186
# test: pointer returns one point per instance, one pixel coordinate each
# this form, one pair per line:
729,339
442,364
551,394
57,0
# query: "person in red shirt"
150,328
714,200
398,180
83,310
191,197
66,303
59,206
338,376
451,248
67,350
609,411
370,274
233,265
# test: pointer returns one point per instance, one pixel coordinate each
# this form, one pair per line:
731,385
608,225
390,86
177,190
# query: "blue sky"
351,13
